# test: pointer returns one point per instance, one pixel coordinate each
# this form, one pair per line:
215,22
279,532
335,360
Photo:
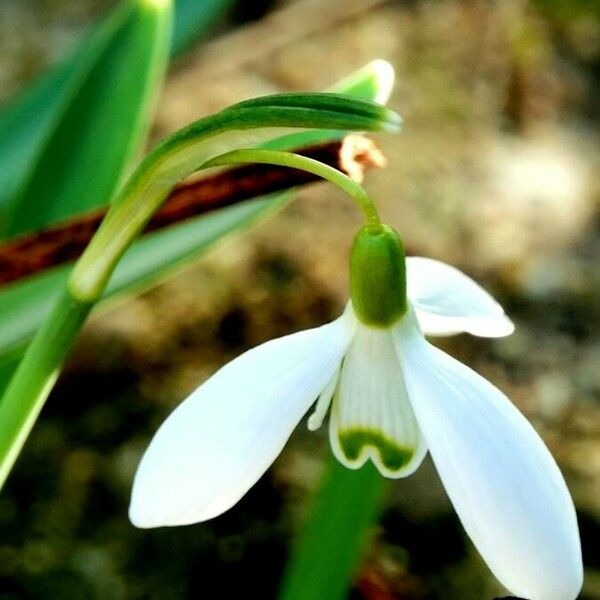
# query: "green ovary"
393,455
378,277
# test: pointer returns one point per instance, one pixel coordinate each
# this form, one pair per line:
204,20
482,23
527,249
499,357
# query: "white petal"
223,437
316,419
447,301
503,482
371,415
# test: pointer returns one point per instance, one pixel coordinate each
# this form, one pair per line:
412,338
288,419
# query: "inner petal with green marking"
393,455
371,417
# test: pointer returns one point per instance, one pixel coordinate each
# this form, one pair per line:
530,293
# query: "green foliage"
52,117
25,305
25,396
84,159
28,123
92,141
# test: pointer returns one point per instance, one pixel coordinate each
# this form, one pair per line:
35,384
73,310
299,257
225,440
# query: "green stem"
30,385
328,551
295,161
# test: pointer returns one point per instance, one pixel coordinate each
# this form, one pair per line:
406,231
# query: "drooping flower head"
391,397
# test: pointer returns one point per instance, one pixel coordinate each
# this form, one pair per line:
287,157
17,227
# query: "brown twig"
32,253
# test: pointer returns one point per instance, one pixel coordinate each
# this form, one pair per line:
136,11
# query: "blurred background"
495,172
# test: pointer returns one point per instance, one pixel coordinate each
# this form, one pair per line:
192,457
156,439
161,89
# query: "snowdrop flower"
392,397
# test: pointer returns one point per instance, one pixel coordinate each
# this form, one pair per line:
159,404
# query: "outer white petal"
447,301
371,415
222,438
501,478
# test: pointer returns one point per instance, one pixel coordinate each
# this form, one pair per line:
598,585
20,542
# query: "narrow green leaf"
7,369
24,306
84,160
331,102
329,548
28,122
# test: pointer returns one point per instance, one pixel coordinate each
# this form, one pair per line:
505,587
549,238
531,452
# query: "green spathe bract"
378,276
189,149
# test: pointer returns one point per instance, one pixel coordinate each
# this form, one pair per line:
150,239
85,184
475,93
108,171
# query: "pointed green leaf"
30,120
24,306
84,159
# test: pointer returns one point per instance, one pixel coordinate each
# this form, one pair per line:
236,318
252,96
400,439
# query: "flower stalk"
310,165
24,398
